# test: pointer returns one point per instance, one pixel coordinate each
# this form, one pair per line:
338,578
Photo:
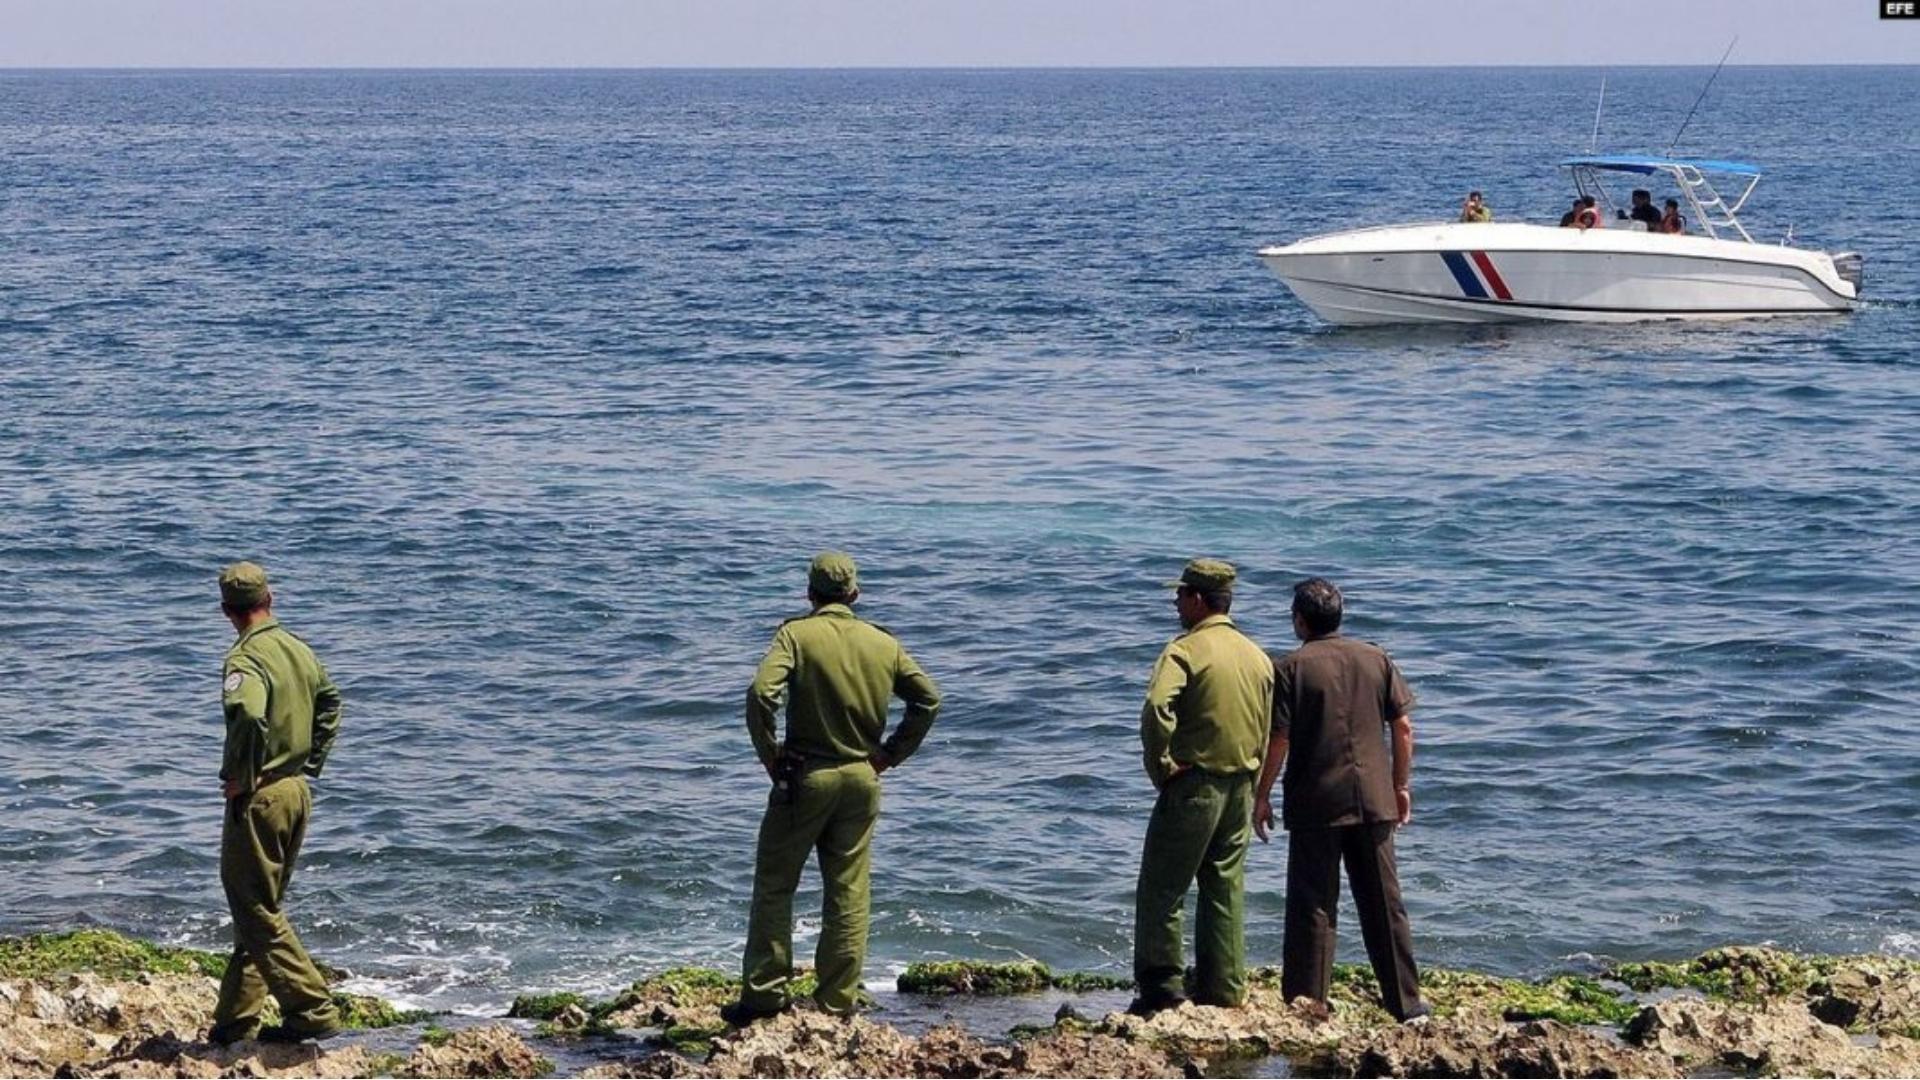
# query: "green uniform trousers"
1201,826
257,848
833,812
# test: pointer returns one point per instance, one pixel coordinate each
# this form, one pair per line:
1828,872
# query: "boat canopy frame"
1710,209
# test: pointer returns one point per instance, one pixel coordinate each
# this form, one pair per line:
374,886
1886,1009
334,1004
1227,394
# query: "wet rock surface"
1739,1011
493,1050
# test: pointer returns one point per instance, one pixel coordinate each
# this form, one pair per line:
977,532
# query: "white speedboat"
1495,272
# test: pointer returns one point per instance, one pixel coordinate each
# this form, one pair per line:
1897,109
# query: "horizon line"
616,68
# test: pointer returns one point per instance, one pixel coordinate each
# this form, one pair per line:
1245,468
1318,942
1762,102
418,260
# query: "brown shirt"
1333,698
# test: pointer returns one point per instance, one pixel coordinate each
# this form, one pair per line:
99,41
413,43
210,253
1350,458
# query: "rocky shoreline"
94,1003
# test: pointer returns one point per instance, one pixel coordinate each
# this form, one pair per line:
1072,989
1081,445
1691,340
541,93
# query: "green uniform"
282,715
1203,731
837,675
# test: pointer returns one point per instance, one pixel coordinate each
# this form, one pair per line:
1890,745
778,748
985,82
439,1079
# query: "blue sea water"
536,390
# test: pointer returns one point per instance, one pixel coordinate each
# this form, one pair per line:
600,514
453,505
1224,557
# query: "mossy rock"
367,1012
693,1040
543,1006
1063,1024
435,1035
1571,999
975,977
676,989
104,953
1086,982
1743,973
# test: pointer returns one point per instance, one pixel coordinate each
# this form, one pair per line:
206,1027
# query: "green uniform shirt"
1209,703
282,710
838,675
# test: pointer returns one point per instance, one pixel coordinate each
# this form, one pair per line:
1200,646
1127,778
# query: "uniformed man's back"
836,674
840,674
282,713
274,676
1202,728
1225,698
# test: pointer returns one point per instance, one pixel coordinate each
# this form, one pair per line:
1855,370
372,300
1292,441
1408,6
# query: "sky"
941,33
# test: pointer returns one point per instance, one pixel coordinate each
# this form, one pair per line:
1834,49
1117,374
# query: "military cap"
243,586
1206,576
833,574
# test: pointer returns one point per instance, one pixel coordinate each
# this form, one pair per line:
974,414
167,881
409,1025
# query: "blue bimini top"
1646,165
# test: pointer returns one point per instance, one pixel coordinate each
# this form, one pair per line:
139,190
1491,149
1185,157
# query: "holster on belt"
788,768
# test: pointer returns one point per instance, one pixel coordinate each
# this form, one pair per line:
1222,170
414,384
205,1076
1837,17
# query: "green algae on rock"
104,953
1086,982
999,979
682,987
693,1040
543,1006
366,1012
435,1035
1747,973
977,977
1569,999
115,956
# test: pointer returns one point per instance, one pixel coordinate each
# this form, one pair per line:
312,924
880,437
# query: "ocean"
535,392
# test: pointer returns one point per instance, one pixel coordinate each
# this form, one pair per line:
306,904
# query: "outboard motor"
1848,265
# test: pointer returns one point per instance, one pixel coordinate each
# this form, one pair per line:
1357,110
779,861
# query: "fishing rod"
1703,94
1593,143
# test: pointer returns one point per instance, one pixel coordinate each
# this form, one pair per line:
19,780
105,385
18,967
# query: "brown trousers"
1313,898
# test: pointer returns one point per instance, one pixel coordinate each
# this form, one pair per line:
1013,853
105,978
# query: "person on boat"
1566,219
1588,215
1643,210
1475,209
1671,221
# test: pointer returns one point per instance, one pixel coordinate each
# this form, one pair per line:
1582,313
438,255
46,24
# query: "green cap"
243,586
833,574
1206,575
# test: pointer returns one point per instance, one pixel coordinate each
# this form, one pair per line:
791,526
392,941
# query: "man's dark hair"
1643,193
1219,601
1317,602
1588,200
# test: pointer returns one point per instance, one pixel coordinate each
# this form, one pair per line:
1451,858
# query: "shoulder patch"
882,629
233,682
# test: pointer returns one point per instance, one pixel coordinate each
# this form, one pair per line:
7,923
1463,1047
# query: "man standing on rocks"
1208,709
282,715
837,674
1334,702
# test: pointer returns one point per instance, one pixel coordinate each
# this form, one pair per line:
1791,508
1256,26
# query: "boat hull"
1514,273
